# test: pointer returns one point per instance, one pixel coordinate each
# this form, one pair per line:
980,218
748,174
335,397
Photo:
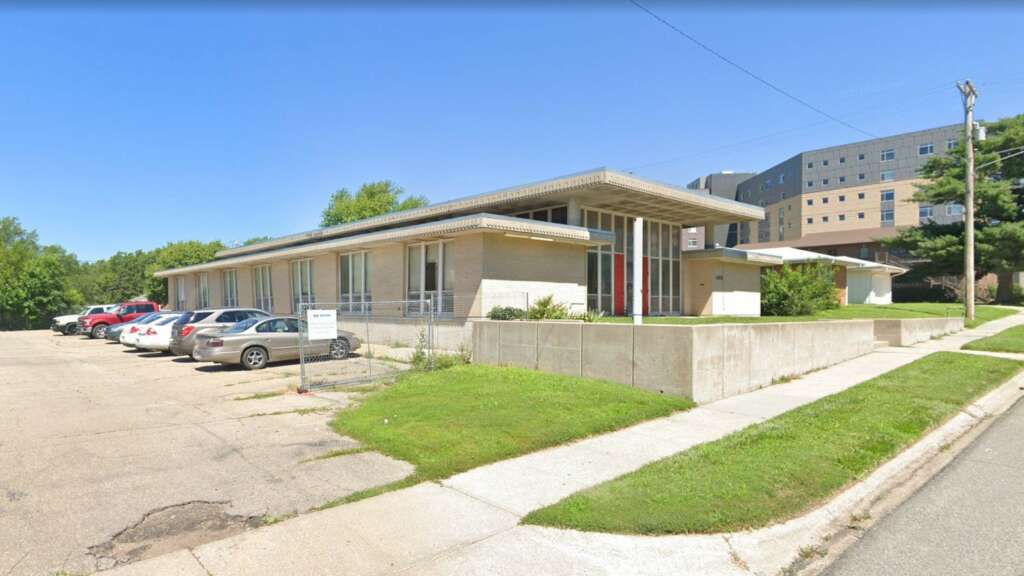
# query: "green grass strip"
781,468
1009,340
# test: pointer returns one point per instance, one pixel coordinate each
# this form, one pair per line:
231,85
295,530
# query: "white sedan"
130,335
157,335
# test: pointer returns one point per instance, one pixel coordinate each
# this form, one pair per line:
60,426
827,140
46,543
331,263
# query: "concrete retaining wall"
913,330
450,335
703,362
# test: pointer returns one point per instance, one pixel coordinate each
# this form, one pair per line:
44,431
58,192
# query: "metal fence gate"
345,343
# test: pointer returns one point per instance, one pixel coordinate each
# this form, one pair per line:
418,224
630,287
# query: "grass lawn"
449,421
852,312
788,465
1009,340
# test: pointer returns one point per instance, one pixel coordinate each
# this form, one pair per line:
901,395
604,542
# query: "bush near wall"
798,290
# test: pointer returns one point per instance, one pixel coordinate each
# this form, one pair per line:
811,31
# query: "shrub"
547,309
506,313
422,359
590,315
798,290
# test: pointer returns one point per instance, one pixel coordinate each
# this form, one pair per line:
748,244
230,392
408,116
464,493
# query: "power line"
739,67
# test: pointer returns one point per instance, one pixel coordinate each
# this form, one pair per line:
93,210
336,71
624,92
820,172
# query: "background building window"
860,195
926,149
203,291
302,284
888,154
179,288
842,217
824,219
860,215
261,288
887,217
887,176
951,143
954,209
888,195
860,156
230,288
354,283
810,220
431,278
860,176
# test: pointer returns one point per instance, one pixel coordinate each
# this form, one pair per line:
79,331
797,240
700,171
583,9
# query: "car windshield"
242,326
84,311
168,320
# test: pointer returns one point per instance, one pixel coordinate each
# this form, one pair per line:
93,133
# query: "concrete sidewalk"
468,524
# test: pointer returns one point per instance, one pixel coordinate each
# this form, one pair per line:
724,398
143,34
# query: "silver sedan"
256,342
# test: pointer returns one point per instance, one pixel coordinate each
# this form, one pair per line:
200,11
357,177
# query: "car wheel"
254,358
340,349
99,332
70,329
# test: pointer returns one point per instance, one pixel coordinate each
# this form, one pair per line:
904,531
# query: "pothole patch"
171,528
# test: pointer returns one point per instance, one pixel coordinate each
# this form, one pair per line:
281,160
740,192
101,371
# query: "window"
179,288
810,201
842,179
203,291
824,219
860,195
860,156
842,198
888,195
861,176
782,178
824,162
354,283
860,215
810,220
926,149
888,154
302,284
951,143
810,164
691,242
261,288
560,215
431,277
842,217
810,183
864,252
824,181
887,217
954,209
824,200
924,213
231,288
842,159
887,175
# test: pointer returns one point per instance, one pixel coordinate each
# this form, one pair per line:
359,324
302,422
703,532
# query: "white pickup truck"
68,323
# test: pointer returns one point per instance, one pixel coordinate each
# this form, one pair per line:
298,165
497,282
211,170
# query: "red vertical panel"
644,291
619,285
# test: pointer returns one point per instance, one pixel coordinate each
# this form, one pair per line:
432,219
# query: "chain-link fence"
341,344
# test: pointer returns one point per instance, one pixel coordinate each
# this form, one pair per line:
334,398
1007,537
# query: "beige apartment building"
575,238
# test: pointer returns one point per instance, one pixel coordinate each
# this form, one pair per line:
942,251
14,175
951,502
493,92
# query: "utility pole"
969,95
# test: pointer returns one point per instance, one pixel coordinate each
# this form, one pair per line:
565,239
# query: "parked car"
130,335
256,342
68,323
184,331
157,335
114,330
95,325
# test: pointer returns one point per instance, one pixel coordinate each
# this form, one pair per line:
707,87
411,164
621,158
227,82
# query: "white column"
573,209
638,271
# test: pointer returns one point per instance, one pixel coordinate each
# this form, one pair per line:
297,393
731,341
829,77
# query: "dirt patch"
171,528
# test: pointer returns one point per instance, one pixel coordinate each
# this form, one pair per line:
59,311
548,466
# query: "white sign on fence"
322,324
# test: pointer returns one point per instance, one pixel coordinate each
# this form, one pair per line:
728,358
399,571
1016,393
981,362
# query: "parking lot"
109,455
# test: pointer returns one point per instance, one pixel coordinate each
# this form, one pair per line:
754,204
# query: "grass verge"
790,464
1009,340
448,421
852,312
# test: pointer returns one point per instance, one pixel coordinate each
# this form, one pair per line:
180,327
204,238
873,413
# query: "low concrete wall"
703,362
450,335
913,330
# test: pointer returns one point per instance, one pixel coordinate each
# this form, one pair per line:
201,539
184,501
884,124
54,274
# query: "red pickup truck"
95,325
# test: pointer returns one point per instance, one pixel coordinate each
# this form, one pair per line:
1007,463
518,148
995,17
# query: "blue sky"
124,129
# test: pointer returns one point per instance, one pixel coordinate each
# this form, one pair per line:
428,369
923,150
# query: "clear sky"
126,129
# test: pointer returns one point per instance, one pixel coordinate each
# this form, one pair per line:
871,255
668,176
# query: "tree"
34,279
175,255
372,199
255,240
999,236
798,290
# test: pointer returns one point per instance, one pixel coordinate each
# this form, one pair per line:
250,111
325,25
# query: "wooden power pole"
969,95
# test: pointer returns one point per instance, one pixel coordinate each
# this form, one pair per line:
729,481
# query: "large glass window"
261,288
179,289
430,277
231,288
354,284
302,284
203,291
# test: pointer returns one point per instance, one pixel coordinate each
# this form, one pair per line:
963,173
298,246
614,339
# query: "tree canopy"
35,281
999,207
372,199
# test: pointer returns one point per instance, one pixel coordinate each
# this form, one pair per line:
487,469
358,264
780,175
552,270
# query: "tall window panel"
203,291
230,288
354,283
430,278
261,288
302,284
179,289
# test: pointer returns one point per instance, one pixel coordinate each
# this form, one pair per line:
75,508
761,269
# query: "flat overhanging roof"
733,256
507,225
601,189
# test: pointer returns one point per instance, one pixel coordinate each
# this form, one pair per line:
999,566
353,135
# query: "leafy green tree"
372,199
999,230
255,240
34,279
175,255
798,290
